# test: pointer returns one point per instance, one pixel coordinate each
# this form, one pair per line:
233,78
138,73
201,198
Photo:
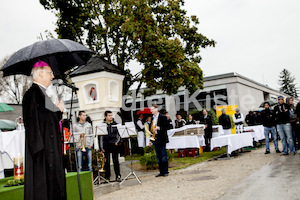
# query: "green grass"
134,157
179,162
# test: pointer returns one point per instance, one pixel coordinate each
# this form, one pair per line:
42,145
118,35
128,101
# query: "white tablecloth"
258,133
234,141
182,142
12,144
220,131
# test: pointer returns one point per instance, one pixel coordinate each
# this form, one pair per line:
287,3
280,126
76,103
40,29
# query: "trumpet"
82,143
102,161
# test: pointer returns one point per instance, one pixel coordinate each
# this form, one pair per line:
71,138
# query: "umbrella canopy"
60,54
144,111
271,103
7,124
4,107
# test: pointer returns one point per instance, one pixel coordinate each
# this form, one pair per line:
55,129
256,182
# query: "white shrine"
100,86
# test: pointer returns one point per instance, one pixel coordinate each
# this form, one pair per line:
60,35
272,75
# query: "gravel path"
207,180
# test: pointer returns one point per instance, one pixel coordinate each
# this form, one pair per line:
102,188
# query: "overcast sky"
255,38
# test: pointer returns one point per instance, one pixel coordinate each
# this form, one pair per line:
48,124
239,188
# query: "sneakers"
158,175
267,152
277,151
118,179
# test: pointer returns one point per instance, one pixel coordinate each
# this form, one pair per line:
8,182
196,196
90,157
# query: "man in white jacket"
238,119
85,129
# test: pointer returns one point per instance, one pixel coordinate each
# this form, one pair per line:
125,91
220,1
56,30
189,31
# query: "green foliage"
149,149
197,113
156,33
15,182
149,161
286,83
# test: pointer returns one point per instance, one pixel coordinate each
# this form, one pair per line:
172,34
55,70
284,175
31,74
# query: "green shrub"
148,149
149,161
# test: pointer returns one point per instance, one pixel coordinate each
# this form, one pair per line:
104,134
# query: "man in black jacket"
110,144
251,118
225,122
268,120
284,128
190,120
159,127
207,120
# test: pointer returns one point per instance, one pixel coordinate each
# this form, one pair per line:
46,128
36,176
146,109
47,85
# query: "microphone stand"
72,135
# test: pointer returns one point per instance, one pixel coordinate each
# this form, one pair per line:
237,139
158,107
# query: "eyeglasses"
51,73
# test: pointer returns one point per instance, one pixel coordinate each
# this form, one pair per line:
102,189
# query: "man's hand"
150,144
156,129
61,105
90,147
101,152
116,144
82,135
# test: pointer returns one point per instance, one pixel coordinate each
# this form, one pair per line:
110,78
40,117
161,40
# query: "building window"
113,90
90,92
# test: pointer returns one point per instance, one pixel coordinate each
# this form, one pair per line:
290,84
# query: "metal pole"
75,153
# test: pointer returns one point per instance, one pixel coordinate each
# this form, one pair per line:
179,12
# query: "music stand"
101,130
127,131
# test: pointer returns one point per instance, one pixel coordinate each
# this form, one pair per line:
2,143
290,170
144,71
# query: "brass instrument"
82,143
102,161
153,137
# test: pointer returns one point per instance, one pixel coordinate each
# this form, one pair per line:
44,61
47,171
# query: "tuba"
102,161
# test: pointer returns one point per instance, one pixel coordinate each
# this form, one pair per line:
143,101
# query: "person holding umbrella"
44,174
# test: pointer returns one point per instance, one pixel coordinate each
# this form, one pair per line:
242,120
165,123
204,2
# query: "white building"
223,89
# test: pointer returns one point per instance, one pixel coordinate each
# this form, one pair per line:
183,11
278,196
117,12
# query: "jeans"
162,158
238,128
285,133
273,131
88,155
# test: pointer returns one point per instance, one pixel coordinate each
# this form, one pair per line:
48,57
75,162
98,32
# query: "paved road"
279,179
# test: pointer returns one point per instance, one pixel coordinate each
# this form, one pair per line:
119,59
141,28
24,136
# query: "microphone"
60,82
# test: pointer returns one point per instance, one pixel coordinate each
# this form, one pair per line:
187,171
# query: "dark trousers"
107,164
162,158
207,144
297,134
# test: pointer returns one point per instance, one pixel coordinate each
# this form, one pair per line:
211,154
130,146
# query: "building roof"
96,64
234,74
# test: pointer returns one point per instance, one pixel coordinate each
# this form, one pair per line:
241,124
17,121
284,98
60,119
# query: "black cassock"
44,172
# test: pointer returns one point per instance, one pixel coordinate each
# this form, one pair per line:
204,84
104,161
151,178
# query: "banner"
230,110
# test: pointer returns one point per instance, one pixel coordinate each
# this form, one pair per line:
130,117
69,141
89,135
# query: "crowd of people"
283,120
144,133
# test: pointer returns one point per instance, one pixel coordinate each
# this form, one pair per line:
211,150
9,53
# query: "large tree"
155,33
13,88
286,83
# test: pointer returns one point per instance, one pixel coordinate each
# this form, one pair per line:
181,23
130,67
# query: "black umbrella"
60,54
271,103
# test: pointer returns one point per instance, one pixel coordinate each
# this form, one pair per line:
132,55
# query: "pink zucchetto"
40,64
